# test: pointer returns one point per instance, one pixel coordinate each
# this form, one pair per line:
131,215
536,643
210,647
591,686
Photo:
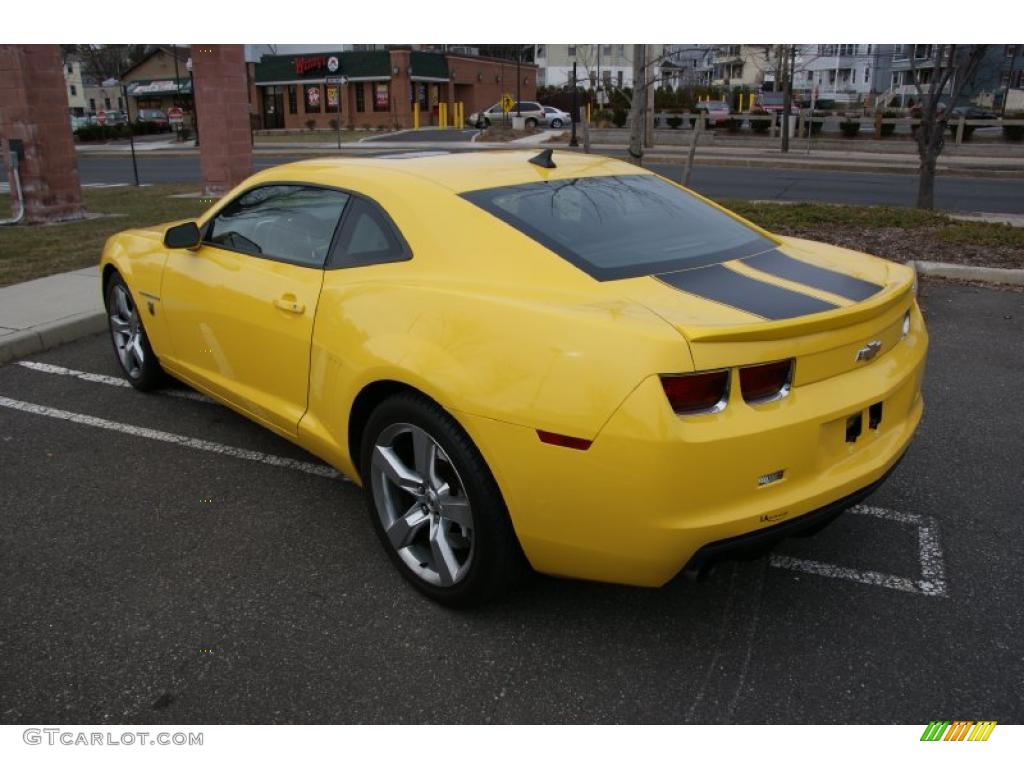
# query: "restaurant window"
312,98
293,100
572,50
360,97
92,104
120,103
106,102
382,97
74,91
333,98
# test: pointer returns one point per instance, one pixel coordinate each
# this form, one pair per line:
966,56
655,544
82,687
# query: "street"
954,193
166,561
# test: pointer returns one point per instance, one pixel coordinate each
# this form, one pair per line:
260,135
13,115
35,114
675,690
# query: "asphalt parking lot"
165,561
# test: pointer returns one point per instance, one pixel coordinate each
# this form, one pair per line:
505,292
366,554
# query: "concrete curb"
43,337
969,272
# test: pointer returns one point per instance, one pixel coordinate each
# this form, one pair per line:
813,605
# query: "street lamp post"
131,131
574,142
195,109
519,82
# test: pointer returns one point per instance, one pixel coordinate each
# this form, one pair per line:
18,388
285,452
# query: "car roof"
458,172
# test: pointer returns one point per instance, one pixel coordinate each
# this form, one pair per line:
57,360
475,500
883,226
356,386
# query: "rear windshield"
614,227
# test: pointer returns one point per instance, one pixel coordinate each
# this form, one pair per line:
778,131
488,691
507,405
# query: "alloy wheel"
422,504
126,329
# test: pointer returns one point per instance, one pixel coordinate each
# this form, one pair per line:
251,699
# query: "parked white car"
556,118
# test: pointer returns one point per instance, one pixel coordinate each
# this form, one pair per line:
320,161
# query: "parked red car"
773,101
715,112
157,116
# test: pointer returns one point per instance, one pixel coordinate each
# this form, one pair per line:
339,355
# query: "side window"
288,222
368,237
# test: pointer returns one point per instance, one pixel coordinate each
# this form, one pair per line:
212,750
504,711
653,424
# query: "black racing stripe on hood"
778,264
725,286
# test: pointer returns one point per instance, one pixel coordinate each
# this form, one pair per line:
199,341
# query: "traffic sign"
101,117
507,102
175,114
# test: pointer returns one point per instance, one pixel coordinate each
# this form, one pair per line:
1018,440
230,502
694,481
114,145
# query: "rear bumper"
756,543
656,494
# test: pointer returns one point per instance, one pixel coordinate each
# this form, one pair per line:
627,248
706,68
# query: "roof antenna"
544,159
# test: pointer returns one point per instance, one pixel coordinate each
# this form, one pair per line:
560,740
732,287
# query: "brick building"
379,87
161,80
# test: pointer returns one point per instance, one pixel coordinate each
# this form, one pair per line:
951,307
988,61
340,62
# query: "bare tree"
638,104
103,62
950,62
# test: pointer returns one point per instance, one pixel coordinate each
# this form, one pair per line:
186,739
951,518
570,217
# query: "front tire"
128,335
435,505
531,122
556,123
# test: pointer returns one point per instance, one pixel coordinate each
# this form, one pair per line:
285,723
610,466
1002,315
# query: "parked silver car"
531,111
556,118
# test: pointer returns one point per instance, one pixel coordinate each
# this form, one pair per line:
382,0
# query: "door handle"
289,303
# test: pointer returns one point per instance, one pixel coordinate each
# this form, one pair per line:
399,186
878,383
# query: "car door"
240,308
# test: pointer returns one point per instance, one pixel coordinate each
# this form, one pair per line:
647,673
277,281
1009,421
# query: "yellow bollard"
442,114
416,116
461,108
588,113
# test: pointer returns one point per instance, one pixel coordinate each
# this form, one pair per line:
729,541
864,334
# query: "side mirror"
183,236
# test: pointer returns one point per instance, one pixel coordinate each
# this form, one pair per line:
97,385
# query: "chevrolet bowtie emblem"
868,351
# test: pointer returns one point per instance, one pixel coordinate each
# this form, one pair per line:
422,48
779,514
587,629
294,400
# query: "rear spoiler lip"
840,317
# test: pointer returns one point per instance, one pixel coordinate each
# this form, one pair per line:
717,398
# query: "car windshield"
716,105
614,227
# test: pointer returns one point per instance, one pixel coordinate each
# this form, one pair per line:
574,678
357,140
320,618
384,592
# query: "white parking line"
321,470
933,573
112,381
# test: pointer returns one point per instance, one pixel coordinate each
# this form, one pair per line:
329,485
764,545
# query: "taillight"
763,383
565,441
690,393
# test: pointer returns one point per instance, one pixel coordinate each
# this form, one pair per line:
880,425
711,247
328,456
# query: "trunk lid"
817,303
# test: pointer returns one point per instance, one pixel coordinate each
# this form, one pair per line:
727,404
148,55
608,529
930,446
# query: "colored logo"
332,64
958,730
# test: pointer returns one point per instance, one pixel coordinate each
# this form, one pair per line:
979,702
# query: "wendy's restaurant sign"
305,64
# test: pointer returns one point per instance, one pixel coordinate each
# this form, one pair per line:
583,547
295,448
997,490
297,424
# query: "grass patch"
314,137
27,252
773,216
900,234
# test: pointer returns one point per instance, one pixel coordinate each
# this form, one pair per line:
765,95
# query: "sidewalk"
43,313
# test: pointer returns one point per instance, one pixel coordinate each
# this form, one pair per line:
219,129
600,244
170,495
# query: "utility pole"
573,142
787,59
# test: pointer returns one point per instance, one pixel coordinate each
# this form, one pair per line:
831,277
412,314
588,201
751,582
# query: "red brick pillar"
34,111
401,96
222,104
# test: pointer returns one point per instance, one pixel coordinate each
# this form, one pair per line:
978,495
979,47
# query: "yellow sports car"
554,356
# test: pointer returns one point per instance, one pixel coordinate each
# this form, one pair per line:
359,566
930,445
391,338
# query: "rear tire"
531,122
556,123
128,336
435,505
